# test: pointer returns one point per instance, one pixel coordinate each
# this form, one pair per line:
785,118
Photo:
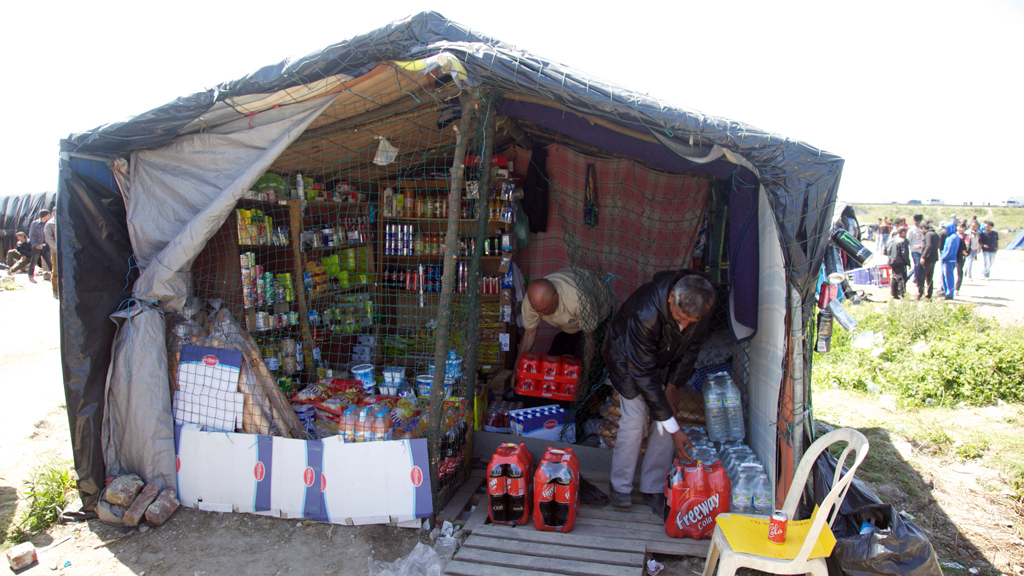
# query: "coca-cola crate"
541,386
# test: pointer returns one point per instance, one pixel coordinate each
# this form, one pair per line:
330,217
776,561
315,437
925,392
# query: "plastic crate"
884,275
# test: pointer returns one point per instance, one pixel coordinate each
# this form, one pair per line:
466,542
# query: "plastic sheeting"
95,278
17,212
138,430
801,181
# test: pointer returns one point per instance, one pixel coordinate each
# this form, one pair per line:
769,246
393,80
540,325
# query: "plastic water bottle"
742,494
733,402
714,409
762,496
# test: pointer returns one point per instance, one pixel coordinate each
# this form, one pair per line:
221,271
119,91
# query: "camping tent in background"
17,212
129,234
1018,242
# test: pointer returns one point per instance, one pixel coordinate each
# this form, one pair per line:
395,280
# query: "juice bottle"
347,426
380,429
362,428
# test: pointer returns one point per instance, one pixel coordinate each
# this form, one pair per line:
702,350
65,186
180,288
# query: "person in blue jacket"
948,259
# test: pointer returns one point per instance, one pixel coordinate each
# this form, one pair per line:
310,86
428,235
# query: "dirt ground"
968,515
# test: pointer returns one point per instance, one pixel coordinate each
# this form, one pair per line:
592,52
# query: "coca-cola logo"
417,476
259,472
698,513
308,477
550,424
211,360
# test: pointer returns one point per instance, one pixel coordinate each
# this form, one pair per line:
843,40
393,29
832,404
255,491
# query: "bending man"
651,348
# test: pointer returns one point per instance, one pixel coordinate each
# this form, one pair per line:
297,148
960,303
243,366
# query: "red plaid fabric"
648,220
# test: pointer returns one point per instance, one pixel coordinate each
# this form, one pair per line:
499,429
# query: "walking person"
38,241
989,241
973,245
915,238
961,254
898,252
50,235
950,249
929,256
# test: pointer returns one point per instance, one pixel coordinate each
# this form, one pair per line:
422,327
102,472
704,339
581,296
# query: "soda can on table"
777,527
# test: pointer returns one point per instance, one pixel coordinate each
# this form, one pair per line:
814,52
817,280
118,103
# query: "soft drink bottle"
673,478
546,500
516,494
348,425
362,427
442,462
563,495
497,490
380,426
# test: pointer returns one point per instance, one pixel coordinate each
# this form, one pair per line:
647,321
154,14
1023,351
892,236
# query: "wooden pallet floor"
606,541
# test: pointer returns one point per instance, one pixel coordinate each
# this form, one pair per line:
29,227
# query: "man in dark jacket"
989,240
929,256
898,252
17,257
650,350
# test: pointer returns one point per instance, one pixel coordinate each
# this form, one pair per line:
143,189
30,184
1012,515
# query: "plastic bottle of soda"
387,424
347,426
497,493
672,479
362,427
379,430
546,496
562,495
442,460
516,494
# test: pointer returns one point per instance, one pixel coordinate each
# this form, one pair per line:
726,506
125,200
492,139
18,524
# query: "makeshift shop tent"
633,186
1017,243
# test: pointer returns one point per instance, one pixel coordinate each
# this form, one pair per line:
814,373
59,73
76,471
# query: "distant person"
898,252
50,235
38,241
973,246
989,241
950,249
961,253
17,257
929,256
915,238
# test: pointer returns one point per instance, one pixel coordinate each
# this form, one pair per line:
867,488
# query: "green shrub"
949,354
42,499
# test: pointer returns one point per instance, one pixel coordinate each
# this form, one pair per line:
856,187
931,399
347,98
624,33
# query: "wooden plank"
477,518
680,547
458,502
623,525
557,565
459,568
659,543
554,551
528,534
634,514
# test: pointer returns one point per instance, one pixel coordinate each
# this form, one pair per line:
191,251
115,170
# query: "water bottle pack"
723,409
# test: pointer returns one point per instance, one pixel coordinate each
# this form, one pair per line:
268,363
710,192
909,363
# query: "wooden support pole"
451,256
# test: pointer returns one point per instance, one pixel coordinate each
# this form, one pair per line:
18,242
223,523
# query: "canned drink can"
777,527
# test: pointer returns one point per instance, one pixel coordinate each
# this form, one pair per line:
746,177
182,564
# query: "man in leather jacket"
650,349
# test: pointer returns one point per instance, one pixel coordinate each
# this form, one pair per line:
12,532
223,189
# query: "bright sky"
922,98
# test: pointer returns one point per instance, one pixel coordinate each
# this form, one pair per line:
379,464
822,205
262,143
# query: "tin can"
777,527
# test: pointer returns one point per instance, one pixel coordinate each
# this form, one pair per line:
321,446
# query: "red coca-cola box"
554,377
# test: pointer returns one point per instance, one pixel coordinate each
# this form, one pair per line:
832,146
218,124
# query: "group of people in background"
37,248
915,249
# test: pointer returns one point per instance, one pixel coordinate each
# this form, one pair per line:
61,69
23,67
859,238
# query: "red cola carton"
695,498
554,377
556,487
508,484
529,362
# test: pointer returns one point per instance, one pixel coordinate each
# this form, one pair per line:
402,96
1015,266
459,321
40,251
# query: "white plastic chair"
729,561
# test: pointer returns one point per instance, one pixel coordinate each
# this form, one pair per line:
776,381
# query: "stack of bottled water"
723,409
752,491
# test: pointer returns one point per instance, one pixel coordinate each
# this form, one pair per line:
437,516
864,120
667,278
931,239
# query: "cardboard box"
324,480
544,422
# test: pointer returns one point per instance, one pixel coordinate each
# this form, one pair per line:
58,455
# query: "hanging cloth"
590,197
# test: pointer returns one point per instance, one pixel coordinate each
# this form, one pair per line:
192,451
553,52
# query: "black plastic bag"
894,545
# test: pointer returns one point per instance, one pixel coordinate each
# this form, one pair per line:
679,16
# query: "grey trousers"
657,458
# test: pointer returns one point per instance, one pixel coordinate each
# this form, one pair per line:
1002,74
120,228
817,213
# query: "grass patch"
42,499
9,283
927,353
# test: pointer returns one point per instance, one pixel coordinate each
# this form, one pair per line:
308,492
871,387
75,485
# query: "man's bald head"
543,297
